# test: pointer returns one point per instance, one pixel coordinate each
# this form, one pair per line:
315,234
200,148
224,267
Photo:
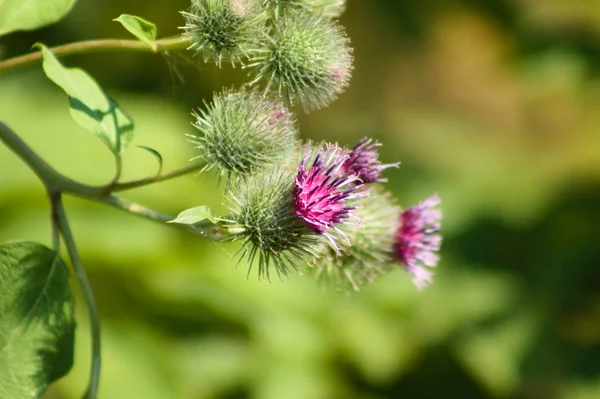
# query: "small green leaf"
31,14
37,329
195,215
139,27
90,106
156,154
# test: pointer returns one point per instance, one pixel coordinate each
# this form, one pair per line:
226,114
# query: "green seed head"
262,209
307,61
242,131
224,30
327,8
371,251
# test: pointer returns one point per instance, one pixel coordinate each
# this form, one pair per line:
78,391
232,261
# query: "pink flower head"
363,162
320,191
416,240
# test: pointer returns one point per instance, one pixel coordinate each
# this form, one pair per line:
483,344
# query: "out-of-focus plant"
319,208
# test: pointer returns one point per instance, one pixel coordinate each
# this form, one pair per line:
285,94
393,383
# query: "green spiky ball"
371,251
262,211
308,60
224,30
242,131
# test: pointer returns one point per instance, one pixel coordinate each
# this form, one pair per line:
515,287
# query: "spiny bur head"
370,253
262,211
241,131
307,61
224,30
327,8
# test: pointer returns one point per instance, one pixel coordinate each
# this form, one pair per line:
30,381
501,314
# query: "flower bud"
307,60
327,8
242,131
224,30
363,162
262,205
370,252
417,240
322,194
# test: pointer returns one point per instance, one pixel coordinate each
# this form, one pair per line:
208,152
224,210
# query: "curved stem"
50,176
52,195
95,46
45,172
63,225
56,182
118,172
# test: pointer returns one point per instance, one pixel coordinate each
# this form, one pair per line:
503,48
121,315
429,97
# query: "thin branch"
96,46
45,172
202,229
154,179
63,224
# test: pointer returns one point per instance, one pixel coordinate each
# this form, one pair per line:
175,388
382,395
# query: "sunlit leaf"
90,106
195,215
31,14
36,320
139,27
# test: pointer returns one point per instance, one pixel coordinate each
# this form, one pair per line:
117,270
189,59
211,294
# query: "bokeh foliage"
493,104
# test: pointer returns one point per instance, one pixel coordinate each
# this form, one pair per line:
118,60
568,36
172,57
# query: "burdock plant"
241,131
224,30
417,240
322,192
321,209
363,162
307,60
371,253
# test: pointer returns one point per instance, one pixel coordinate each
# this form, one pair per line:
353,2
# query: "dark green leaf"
37,329
90,106
195,215
156,154
139,27
31,14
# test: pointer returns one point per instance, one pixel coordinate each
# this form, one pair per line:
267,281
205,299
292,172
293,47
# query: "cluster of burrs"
295,46
299,206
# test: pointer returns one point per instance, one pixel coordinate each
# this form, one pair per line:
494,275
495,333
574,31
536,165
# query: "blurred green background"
494,104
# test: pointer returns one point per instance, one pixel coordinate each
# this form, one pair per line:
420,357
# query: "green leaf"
139,27
156,154
90,106
31,14
37,329
195,215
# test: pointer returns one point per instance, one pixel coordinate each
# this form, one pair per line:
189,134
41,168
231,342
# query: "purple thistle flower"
320,192
416,241
363,162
